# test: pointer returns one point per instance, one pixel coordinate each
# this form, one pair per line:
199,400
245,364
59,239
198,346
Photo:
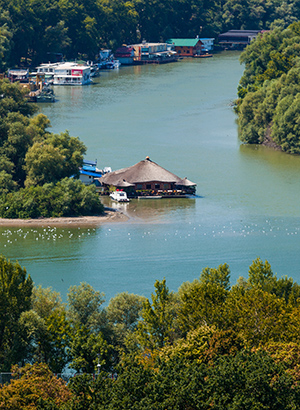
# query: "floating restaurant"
146,179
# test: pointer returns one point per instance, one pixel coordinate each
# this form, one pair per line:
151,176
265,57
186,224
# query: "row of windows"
156,186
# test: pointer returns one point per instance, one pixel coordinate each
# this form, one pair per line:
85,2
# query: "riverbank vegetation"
210,345
269,91
31,31
35,164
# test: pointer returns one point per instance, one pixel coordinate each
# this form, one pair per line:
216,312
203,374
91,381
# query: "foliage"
31,386
40,160
45,331
156,329
202,301
15,298
89,349
185,350
269,90
85,306
123,314
34,32
55,158
68,197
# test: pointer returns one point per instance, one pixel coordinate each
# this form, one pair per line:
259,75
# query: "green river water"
181,116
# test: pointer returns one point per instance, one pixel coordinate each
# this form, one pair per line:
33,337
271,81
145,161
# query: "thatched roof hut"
146,174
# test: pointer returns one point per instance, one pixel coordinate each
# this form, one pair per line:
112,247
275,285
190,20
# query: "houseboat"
90,174
47,69
72,74
187,47
66,73
18,74
146,53
238,39
125,55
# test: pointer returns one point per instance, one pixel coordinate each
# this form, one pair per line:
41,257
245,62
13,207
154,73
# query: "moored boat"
119,196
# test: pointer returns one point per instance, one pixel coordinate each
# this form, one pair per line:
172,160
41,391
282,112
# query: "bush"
68,197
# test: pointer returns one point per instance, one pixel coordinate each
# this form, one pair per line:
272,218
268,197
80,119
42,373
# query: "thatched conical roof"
142,172
186,182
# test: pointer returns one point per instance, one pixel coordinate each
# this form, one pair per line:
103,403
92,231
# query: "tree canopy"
268,105
36,165
211,345
33,31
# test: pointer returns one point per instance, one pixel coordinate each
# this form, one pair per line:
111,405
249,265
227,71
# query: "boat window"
148,186
157,186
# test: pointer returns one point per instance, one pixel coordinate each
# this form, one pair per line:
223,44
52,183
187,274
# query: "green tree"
256,316
158,325
46,331
85,306
219,276
5,40
57,157
202,302
15,298
250,381
123,315
89,349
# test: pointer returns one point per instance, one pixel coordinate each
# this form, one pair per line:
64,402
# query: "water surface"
181,116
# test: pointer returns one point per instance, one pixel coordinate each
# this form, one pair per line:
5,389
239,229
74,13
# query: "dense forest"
30,30
209,345
269,90
36,165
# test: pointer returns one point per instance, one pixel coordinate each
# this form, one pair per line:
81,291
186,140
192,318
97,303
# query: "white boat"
119,196
107,61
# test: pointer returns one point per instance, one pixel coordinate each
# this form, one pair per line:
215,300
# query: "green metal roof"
183,42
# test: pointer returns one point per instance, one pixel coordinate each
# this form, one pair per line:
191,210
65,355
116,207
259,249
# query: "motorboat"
107,61
119,196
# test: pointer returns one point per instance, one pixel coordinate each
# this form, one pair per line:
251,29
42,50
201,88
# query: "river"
181,116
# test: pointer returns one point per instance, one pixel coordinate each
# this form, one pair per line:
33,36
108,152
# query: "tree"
256,316
34,387
57,157
85,306
202,304
123,314
15,298
5,40
157,327
47,339
192,348
218,276
89,349
250,381
261,275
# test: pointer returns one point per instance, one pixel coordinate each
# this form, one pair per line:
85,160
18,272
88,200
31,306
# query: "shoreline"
108,217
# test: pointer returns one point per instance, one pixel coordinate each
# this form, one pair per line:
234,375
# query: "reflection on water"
153,210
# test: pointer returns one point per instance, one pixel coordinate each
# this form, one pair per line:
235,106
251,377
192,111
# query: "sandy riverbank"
88,221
